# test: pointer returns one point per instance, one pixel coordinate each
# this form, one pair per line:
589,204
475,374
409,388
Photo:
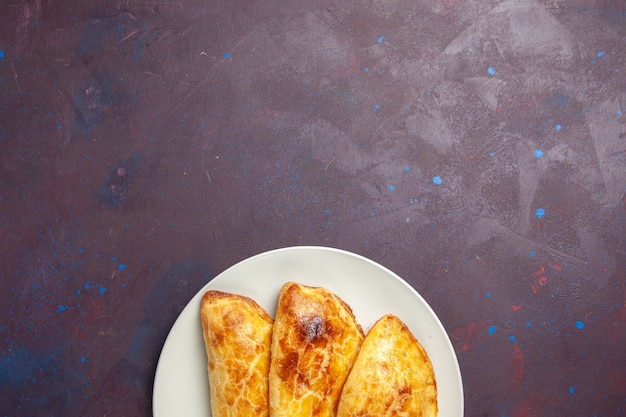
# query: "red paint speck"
469,335
468,338
557,266
517,362
539,279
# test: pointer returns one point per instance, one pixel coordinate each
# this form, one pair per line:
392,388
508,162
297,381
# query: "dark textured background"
475,147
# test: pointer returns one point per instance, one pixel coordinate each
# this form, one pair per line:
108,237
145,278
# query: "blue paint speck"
619,112
540,213
488,294
380,40
83,359
327,211
492,329
121,267
580,325
571,390
61,309
407,168
532,254
528,324
492,153
437,180
391,188
616,69
367,69
594,62
102,290
226,55
538,153
491,71
376,107
512,338
1,54
601,54
558,127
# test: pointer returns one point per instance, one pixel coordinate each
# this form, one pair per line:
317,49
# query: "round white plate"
181,385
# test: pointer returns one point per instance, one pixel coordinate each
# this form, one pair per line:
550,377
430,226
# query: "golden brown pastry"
237,336
392,375
315,342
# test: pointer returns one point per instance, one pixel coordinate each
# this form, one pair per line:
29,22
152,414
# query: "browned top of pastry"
392,375
237,334
315,342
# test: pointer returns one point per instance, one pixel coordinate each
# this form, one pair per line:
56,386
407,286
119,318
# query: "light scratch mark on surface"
551,250
17,83
208,76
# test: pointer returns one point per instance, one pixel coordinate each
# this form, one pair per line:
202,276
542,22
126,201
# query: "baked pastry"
237,336
392,375
315,341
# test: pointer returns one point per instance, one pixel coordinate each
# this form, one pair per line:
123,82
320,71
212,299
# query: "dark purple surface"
475,147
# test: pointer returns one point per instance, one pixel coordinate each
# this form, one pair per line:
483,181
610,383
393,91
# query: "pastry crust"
237,336
392,375
315,341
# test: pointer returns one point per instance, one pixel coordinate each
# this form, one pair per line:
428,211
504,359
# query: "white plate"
181,386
